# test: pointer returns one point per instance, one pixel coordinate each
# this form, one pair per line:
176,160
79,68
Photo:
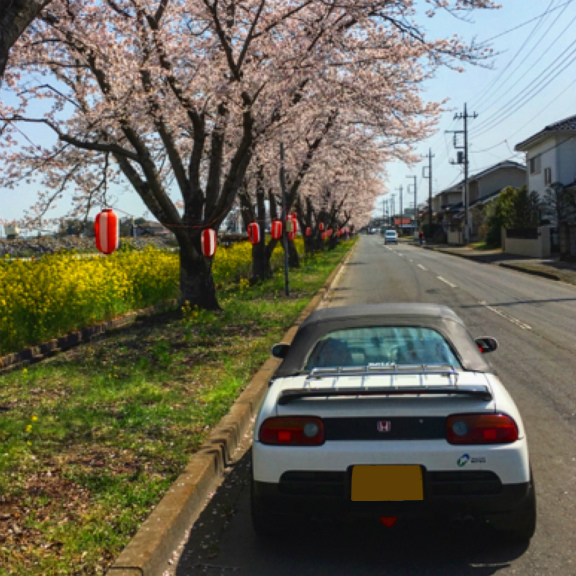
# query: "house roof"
566,126
485,199
501,165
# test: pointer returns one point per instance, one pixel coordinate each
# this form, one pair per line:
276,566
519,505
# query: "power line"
527,22
529,92
487,93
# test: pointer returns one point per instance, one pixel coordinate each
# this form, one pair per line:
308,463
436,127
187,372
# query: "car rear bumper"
446,494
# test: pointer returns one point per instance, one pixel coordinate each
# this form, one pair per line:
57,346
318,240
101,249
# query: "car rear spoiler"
452,389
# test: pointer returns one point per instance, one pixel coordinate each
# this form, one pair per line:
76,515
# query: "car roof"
388,312
434,316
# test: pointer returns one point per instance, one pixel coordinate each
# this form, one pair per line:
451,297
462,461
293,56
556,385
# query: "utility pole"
401,208
463,159
392,210
415,203
284,217
429,177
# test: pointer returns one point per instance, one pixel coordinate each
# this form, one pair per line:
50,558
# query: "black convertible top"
434,316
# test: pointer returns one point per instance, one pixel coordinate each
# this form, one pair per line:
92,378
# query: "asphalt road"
534,320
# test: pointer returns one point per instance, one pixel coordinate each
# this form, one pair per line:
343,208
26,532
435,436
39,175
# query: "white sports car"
390,411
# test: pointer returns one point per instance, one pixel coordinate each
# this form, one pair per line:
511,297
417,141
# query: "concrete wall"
454,237
539,248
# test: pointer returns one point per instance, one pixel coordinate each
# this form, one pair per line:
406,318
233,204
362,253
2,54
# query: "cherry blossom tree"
175,96
15,17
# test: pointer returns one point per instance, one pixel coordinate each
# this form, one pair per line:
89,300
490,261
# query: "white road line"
446,282
511,319
423,268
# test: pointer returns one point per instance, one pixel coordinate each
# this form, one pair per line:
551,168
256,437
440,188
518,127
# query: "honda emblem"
384,426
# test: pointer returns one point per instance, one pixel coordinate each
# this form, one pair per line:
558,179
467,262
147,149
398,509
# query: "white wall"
557,153
539,248
567,162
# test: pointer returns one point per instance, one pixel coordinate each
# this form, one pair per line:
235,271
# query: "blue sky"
531,83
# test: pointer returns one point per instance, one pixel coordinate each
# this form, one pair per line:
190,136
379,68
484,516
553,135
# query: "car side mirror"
280,350
487,344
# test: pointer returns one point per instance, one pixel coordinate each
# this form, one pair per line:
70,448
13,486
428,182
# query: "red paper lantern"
321,226
208,241
291,235
323,235
107,230
308,231
253,232
329,232
294,223
276,229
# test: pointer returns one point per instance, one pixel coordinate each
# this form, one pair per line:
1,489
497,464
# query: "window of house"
547,176
535,165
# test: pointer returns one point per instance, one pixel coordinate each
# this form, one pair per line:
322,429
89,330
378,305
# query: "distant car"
389,411
390,237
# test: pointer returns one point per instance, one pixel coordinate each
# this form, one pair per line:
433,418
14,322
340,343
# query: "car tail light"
481,429
292,431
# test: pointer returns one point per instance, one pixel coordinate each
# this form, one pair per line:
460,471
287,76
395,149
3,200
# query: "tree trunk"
309,245
293,259
261,269
15,17
196,281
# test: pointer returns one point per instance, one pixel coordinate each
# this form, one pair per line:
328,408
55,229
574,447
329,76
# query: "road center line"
446,282
511,319
420,266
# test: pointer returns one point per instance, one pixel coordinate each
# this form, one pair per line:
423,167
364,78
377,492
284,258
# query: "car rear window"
381,346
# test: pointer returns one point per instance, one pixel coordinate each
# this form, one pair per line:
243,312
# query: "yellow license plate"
387,483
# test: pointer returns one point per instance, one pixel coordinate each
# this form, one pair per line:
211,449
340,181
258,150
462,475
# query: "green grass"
482,246
92,439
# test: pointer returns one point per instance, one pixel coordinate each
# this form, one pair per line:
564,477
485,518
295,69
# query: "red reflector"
490,435
284,436
388,521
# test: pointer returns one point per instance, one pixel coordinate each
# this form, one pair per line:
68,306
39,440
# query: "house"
482,187
551,160
551,156
150,228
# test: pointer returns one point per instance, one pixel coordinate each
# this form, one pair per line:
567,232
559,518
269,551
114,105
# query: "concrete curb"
52,347
540,273
516,267
149,551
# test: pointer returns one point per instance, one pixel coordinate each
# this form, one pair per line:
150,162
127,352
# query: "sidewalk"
551,267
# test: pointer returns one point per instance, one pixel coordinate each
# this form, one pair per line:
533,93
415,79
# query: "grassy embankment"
91,439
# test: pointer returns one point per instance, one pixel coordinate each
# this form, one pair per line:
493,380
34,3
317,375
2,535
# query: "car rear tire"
520,525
